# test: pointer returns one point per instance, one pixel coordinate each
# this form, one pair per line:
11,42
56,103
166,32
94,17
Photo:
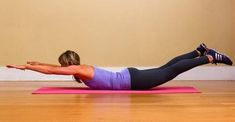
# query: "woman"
128,78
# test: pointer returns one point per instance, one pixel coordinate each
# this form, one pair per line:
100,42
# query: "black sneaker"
202,48
219,58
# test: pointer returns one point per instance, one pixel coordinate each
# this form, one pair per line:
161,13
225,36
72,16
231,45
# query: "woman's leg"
200,51
145,79
189,55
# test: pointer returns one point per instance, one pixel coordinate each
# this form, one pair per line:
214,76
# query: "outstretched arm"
40,63
70,70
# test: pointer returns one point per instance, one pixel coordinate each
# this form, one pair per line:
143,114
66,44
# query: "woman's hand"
21,67
33,63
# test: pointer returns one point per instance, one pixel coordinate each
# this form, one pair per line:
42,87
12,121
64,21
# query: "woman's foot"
219,58
202,49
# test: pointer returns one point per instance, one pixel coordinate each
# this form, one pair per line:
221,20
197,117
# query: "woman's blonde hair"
70,58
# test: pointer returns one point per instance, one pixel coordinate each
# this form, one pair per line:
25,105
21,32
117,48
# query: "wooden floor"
216,103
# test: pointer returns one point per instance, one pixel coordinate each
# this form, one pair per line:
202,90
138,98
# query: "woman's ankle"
210,58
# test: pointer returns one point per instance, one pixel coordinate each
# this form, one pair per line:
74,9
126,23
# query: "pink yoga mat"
83,90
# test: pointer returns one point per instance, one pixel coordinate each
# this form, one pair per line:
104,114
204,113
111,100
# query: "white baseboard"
199,73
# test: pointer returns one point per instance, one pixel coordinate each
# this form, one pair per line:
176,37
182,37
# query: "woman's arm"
40,63
70,70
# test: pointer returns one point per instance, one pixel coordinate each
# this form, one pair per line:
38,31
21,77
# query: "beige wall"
113,32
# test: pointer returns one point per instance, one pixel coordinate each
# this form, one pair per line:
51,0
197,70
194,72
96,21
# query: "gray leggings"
149,78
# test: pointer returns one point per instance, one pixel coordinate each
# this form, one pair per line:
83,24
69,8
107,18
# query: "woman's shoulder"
81,69
85,72
85,66
82,66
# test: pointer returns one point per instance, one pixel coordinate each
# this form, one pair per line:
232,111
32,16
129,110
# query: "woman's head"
69,58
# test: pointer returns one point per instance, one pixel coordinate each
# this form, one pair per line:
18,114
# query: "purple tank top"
104,79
